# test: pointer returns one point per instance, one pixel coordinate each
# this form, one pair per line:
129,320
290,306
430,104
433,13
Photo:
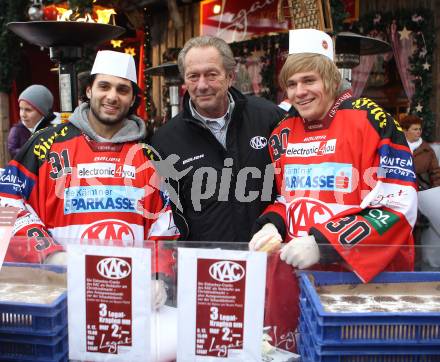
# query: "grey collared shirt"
217,126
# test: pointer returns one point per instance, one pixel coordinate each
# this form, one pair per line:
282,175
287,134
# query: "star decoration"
404,33
419,108
130,51
426,66
116,43
104,15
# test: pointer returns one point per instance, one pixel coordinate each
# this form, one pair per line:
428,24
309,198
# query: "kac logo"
258,142
226,271
109,230
304,213
113,268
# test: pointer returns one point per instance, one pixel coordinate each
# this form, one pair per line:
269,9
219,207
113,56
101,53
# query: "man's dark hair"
83,82
136,95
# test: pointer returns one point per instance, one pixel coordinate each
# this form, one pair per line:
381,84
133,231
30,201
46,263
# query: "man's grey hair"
204,42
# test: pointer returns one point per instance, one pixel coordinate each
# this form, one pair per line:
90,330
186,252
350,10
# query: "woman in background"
425,160
428,175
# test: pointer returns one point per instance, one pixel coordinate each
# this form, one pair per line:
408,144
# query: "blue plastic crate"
22,347
389,349
378,328
35,319
64,358
310,353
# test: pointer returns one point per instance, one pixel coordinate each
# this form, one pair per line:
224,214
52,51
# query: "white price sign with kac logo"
220,304
108,303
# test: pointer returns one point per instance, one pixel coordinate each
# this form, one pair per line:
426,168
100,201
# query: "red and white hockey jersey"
349,181
69,186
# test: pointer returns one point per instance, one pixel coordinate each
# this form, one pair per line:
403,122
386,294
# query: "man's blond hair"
310,62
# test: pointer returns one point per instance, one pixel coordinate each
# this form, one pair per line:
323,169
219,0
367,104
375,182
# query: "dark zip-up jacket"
220,190
19,134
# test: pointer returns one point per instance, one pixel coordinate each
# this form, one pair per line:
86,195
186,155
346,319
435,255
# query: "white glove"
158,293
57,258
267,239
301,252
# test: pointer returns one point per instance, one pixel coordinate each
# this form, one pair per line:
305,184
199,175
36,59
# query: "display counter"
205,301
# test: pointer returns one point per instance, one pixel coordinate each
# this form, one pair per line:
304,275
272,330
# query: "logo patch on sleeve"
380,219
397,164
15,182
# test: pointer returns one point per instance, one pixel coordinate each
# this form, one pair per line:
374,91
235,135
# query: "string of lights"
147,62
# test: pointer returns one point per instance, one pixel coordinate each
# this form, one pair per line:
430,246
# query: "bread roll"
271,246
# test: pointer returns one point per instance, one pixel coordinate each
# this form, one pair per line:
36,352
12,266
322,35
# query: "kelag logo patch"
380,219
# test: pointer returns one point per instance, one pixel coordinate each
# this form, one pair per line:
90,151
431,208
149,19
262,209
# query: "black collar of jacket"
239,99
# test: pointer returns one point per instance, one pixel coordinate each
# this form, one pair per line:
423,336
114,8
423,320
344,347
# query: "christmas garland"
421,24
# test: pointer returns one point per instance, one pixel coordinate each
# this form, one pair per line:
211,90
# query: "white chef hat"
310,41
115,63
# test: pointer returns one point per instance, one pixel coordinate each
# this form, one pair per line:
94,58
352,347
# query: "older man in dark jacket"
217,147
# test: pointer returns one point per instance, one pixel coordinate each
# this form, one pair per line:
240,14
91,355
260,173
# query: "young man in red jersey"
346,187
89,179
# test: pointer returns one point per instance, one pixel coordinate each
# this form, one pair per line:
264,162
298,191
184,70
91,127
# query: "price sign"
220,306
223,317
109,303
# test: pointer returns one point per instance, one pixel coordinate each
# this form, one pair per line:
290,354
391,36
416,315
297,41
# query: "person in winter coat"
425,160
35,104
428,175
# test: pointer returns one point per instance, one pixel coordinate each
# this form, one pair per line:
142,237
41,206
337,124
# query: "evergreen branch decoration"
10,10
421,23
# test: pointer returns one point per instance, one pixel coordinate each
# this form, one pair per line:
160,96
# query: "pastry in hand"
272,246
